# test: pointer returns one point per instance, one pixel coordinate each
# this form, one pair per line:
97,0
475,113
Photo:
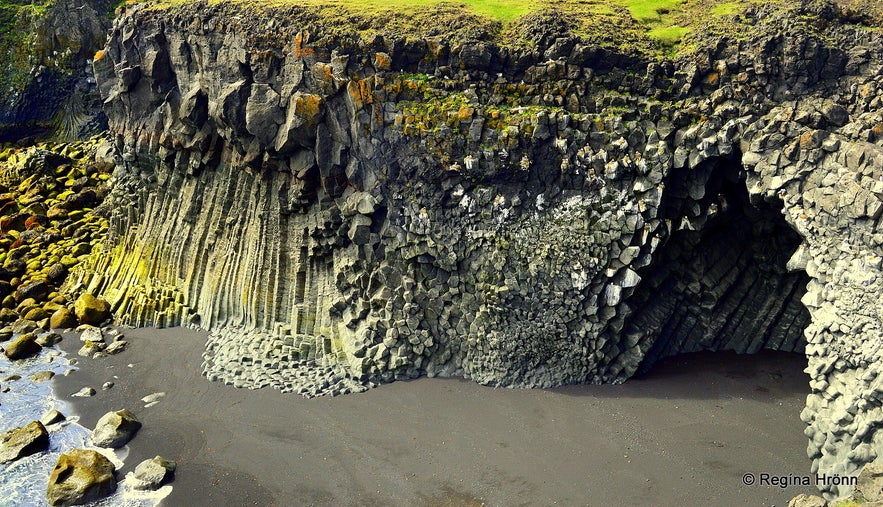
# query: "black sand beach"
683,435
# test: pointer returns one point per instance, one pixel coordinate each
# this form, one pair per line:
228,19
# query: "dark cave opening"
719,280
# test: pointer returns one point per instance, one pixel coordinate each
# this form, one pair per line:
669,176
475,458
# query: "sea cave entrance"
719,282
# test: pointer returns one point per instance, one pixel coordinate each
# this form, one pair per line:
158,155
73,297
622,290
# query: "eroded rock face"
47,83
344,212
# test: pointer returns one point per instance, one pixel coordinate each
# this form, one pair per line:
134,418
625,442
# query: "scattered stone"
48,339
153,473
106,386
805,500
5,334
152,399
20,442
116,347
84,393
91,334
52,416
11,378
870,481
37,290
91,310
114,429
63,318
24,326
80,476
24,346
7,314
89,349
42,376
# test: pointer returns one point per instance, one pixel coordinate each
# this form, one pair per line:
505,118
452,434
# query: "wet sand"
682,435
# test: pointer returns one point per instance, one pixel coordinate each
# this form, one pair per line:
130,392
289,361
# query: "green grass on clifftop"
648,27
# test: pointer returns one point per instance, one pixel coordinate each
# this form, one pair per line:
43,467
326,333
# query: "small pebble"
84,392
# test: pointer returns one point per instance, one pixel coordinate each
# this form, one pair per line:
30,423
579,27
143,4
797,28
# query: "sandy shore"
683,435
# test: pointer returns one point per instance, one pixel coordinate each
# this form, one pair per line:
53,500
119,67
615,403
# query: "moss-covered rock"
63,318
80,476
91,310
20,442
24,346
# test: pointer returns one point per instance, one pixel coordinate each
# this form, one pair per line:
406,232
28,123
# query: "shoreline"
683,434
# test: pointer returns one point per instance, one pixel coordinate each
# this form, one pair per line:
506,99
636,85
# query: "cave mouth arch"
719,282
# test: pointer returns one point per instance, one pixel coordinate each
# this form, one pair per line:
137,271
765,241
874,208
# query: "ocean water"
23,482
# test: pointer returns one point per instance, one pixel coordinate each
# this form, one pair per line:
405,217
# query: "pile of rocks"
85,475
47,195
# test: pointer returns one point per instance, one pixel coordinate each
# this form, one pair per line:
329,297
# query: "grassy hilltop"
635,26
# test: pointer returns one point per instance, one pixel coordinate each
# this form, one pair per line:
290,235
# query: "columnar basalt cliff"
343,211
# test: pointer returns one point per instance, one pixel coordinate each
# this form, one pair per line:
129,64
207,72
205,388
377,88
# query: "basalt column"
720,282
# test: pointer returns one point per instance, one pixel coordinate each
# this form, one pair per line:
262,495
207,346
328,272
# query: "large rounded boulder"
20,442
115,429
91,310
80,476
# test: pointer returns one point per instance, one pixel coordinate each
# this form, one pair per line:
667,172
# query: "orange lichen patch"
806,141
360,91
98,55
35,221
878,131
712,78
382,61
324,74
308,107
299,49
465,113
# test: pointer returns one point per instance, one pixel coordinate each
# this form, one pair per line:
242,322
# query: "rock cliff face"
46,81
343,212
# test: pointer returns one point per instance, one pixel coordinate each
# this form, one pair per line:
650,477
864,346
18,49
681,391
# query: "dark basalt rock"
540,215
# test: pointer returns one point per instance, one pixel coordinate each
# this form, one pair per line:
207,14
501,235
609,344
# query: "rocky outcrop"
343,212
46,83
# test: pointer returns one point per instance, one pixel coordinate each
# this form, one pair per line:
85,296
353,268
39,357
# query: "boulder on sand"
114,429
153,473
80,476
91,310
